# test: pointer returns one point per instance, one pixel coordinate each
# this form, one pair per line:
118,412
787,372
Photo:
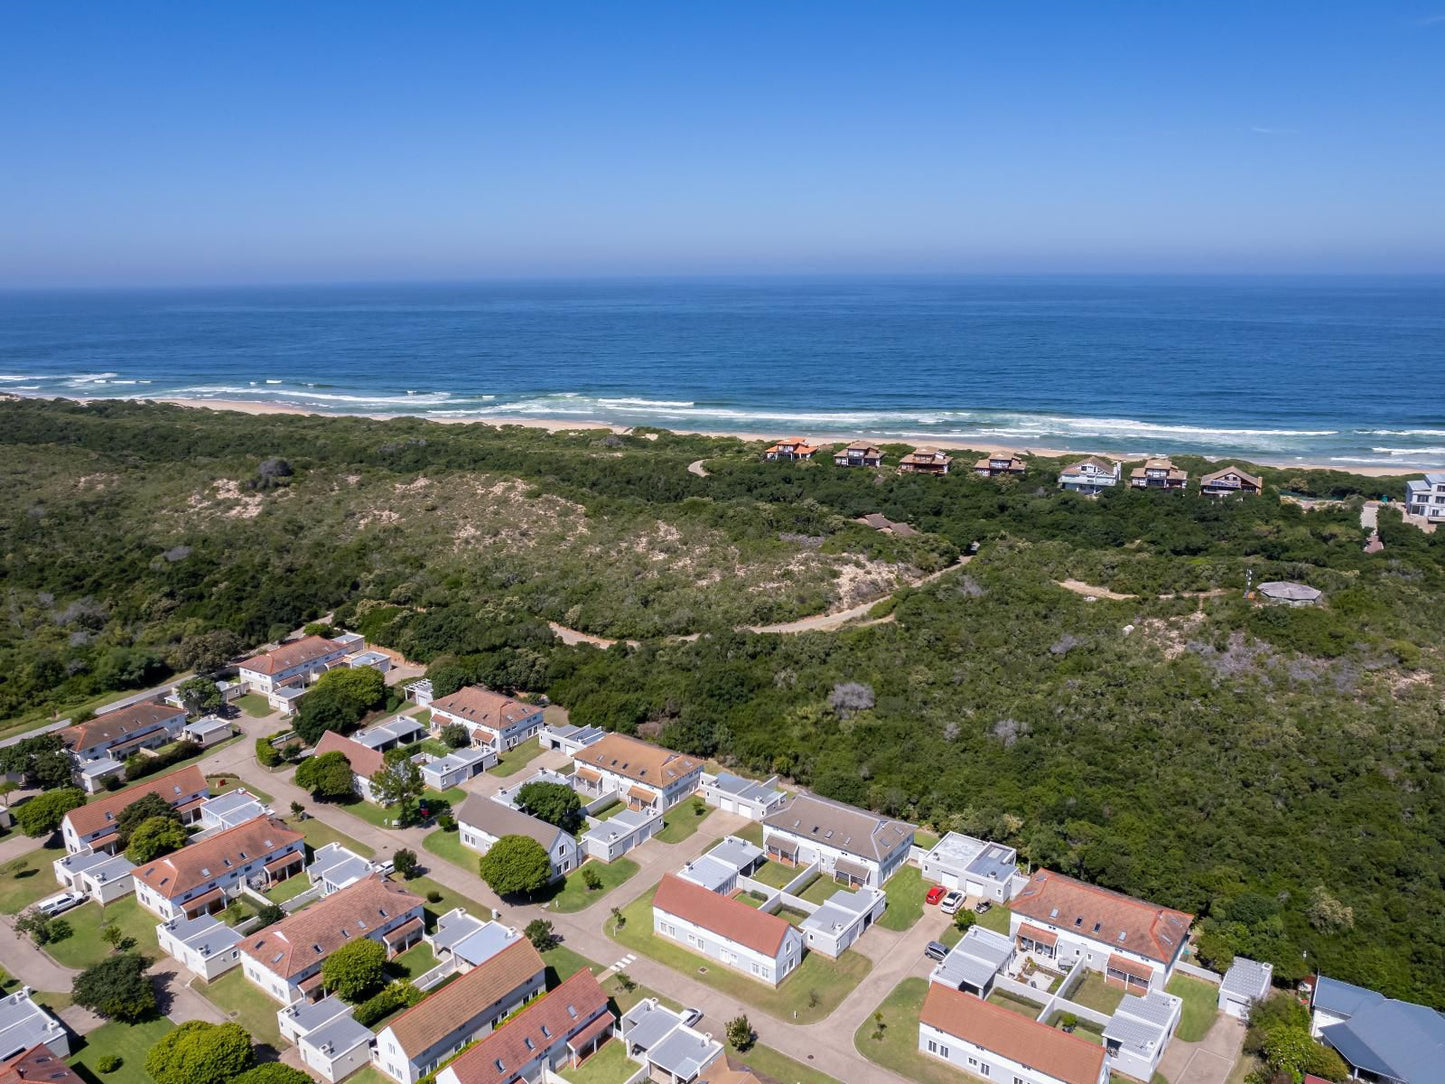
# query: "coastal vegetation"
1278,771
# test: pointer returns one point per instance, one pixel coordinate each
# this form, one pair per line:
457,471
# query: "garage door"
950,880
975,888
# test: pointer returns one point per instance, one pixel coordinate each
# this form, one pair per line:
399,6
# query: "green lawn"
774,873
897,1048
130,1042
562,963
514,760
1015,1004
815,988
33,879
243,1003
318,834
682,820
996,918
1095,993
574,894
373,814
450,899
607,812
779,1066
448,845
752,899
414,962
85,947
224,784
1201,1006
905,890
253,704
753,833
288,889
1084,1029
610,1065
821,890
926,840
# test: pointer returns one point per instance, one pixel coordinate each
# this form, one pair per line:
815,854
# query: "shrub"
399,995
266,753
42,814
456,735
404,862
740,1033
327,776
591,878
433,896
109,1063
446,822
140,765
539,932
198,1052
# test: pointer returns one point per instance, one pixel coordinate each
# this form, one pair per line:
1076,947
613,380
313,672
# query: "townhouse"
1139,1031
482,821
925,461
790,448
975,962
468,941
761,946
1158,473
1426,497
999,465
204,945
424,1036
37,1064
202,877
364,762
92,826
859,454
643,775
1230,480
328,1039
492,719
556,1031
671,1051
285,959
851,845
1089,476
986,1040
102,876
294,665
1133,943
100,745
335,867
843,918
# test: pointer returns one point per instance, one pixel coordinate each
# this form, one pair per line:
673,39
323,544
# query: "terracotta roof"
1243,475
290,859
1130,967
1034,933
38,1065
590,1033
925,457
845,827
636,760
172,787
484,707
1012,1035
298,941
204,900
723,916
197,863
642,794
862,446
134,721
402,932
547,1022
1094,461
364,762
295,653
1119,921
589,775
459,1001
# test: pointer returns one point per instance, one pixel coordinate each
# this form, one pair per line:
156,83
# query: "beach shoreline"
555,425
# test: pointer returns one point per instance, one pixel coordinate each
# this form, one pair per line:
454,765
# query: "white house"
201,878
101,876
761,946
841,920
112,737
990,1041
285,960
1245,983
643,775
467,940
364,762
609,840
230,809
975,867
1134,944
745,797
1426,497
207,730
1089,476
491,718
1140,1030
851,845
327,1036
975,962
335,867
402,730
556,1031
568,738
454,769
205,946
93,826
481,822
24,1024
464,1010
294,665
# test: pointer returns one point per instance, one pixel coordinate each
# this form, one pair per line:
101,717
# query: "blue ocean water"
1319,370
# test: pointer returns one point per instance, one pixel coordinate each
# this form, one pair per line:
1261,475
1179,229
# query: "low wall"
1197,972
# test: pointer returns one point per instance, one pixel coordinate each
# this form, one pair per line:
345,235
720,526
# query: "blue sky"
281,142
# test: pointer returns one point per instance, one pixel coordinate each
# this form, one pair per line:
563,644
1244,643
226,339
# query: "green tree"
155,837
555,803
272,1072
268,914
200,695
42,814
207,651
355,970
456,736
338,701
117,988
319,628
740,1033
144,808
398,783
516,866
539,932
591,878
965,919
327,776
198,1052
41,928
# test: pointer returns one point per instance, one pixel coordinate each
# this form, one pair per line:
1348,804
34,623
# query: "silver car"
60,903
951,903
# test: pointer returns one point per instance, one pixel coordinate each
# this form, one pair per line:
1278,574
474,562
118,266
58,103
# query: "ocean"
1340,371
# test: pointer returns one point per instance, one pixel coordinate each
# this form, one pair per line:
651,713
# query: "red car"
935,894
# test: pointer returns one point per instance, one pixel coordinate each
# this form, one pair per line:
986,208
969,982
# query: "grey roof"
996,863
338,865
234,807
1343,998
961,854
98,864
1155,1007
684,1052
709,872
746,789
647,1023
340,1036
207,724
583,735
1394,1039
457,758
204,934
1247,978
623,824
24,1024
845,827
1136,1036
496,819
976,958
841,910
1294,592
310,1015
1141,1024
398,729
471,939
735,852
99,766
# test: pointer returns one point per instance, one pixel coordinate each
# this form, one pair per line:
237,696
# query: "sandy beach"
553,425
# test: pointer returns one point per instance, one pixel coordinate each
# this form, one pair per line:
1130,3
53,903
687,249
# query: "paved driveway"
1208,1061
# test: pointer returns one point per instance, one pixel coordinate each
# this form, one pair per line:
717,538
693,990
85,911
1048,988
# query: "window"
932,1047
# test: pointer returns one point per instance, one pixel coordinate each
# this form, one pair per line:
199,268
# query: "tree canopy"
555,803
516,866
355,970
117,987
197,1052
42,814
155,837
327,776
144,808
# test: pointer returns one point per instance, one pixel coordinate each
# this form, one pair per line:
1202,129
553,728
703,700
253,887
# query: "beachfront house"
1089,476
201,878
995,1043
1230,480
1426,497
642,775
490,718
1134,944
481,821
999,465
790,448
924,461
1158,473
851,845
92,826
726,930
294,665
859,454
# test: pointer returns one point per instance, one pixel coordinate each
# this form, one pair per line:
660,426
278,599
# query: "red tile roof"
485,708
637,760
225,852
295,653
298,941
1130,967
129,723
723,916
1012,1035
457,1002
364,761
1116,920
38,1065
1035,933
173,787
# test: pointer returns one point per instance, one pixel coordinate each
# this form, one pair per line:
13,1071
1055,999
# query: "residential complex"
483,821
643,775
93,824
492,719
762,946
203,877
293,665
987,1040
851,845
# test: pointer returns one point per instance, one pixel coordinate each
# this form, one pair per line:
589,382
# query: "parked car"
935,894
59,903
935,950
951,903
690,1017
982,907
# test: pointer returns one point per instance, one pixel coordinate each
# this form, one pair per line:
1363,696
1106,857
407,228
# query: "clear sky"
146,143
